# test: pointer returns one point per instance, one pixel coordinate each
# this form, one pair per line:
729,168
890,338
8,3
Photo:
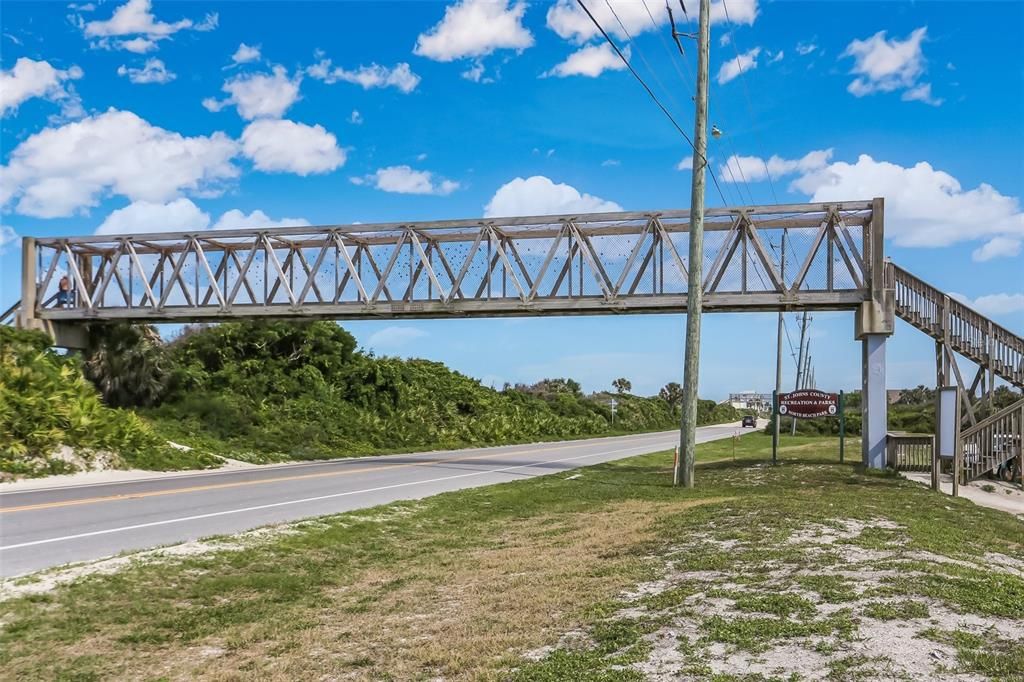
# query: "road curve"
43,528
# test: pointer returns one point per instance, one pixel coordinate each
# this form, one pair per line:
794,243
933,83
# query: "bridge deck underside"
755,258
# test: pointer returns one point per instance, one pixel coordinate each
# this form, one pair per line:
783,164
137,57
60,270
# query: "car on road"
750,420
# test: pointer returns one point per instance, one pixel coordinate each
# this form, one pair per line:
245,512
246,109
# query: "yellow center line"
278,479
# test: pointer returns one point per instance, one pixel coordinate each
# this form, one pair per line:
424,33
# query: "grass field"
811,569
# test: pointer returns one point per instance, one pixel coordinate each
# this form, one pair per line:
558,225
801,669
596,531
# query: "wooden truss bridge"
826,256
582,264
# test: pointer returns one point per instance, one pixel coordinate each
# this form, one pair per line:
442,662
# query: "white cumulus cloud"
539,195
283,146
136,18
259,95
236,219
59,171
400,76
887,65
924,206
28,79
406,180
154,71
686,163
475,28
999,304
245,54
591,60
921,93
739,64
754,169
571,23
180,215
997,247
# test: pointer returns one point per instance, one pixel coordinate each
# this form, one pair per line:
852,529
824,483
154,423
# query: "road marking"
277,479
272,505
510,449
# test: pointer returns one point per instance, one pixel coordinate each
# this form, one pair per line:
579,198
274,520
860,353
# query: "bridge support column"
873,324
873,401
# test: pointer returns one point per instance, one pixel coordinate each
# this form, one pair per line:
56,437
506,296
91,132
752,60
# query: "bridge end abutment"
70,335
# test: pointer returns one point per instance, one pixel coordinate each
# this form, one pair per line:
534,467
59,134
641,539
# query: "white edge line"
196,517
322,462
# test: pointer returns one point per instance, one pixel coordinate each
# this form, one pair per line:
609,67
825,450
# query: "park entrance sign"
808,403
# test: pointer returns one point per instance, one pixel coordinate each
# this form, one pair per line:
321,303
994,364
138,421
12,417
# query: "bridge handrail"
965,326
992,441
909,451
895,275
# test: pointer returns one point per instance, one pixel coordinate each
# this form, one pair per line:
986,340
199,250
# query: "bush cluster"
46,403
302,390
274,390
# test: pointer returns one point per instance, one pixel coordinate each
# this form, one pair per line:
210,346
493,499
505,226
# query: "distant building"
761,402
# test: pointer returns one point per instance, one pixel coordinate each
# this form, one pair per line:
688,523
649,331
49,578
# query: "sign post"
775,431
842,426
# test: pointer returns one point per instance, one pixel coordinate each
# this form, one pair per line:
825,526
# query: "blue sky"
130,115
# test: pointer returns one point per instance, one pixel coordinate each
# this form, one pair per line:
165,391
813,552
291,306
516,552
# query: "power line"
750,106
689,85
654,97
687,82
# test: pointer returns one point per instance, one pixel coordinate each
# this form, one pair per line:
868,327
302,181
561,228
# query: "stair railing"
991,442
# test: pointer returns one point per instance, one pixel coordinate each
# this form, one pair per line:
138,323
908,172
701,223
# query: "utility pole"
778,346
695,281
800,364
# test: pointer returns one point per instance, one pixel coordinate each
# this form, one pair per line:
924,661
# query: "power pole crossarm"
695,279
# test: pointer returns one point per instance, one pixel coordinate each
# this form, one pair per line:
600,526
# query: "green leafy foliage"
126,363
272,390
266,390
46,402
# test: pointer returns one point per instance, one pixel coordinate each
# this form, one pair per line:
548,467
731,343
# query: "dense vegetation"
269,391
302,390
46,403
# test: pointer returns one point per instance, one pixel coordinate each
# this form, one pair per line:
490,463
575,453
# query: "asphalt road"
49,527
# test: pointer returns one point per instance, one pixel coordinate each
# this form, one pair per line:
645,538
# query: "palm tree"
127,364
672,393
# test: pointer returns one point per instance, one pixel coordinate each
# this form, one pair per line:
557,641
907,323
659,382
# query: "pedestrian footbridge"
823,256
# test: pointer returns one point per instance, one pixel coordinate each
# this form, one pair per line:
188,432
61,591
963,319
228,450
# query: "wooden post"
775,431
695,281
26,318
935,465
842,427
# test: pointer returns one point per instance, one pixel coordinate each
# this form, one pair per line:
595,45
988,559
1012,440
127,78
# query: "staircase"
992,442
985,343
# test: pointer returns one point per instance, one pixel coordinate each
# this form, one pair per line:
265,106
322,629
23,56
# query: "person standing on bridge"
64,292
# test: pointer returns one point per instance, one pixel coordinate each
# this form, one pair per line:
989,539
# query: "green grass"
460,585
902,610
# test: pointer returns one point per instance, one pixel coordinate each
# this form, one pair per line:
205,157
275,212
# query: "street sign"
808,403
